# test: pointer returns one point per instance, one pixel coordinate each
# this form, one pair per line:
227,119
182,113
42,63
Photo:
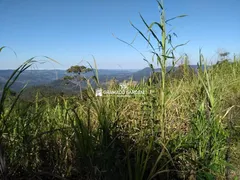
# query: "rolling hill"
53,79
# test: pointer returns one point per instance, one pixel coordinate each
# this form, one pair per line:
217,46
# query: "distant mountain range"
54,78
46,77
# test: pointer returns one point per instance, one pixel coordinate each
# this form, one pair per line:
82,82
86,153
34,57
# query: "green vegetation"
184,126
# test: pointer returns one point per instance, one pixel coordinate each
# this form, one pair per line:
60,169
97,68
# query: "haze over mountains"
54,78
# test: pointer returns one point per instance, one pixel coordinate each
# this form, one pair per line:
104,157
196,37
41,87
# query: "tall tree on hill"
75,76
223,55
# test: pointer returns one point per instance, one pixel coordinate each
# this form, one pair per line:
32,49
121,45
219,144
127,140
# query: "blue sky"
70,31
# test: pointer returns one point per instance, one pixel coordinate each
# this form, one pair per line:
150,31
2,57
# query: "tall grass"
185,126
112,137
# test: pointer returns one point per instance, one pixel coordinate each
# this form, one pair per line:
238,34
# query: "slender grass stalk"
162,56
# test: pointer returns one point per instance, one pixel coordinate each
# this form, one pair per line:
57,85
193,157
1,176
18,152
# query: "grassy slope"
112,137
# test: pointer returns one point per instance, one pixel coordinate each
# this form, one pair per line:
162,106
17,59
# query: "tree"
75,76
223,54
